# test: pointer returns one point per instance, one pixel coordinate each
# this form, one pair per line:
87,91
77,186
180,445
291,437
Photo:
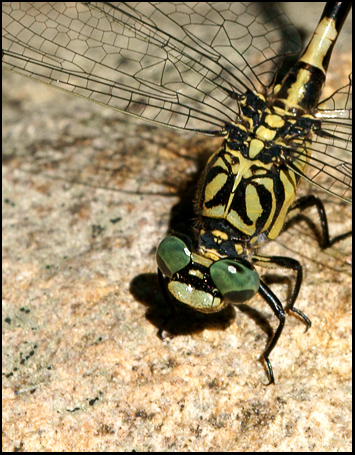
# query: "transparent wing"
172,63
330,164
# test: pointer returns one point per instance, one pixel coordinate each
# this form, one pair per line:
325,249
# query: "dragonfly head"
204,284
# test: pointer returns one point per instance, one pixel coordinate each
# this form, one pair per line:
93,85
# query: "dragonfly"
210,68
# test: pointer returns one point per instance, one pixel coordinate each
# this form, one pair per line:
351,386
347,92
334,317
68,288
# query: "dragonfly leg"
278,310
291,264
313,201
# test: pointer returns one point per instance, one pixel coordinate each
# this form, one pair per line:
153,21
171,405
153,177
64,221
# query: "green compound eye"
237,282
172,256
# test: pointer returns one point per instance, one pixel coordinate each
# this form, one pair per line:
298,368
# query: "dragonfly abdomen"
302,87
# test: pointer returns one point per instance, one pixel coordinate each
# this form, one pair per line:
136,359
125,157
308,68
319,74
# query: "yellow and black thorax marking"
250,184
247,187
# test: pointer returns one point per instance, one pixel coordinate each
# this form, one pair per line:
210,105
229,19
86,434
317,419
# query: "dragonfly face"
204,284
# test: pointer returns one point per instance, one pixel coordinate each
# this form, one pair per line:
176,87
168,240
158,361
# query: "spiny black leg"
169,303
278,310
313,201
291,264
